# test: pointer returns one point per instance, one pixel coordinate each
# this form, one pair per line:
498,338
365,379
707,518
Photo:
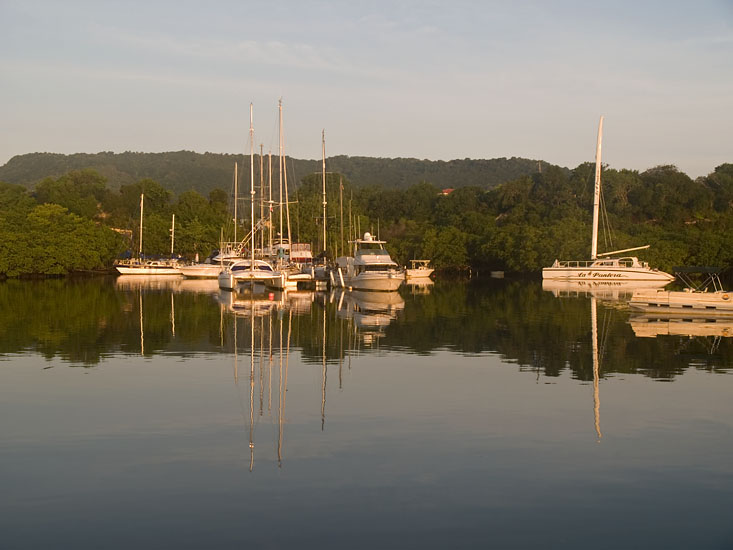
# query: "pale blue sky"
435,80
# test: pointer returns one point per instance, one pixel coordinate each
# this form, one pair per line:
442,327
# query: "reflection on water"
447,418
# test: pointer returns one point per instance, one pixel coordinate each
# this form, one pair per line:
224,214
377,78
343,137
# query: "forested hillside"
78,221
185,170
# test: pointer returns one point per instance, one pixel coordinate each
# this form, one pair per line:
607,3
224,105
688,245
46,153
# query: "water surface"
490,413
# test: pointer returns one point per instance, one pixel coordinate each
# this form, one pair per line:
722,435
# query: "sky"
423,79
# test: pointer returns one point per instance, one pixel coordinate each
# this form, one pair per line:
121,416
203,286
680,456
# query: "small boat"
371,267
419,269
707,299
601,267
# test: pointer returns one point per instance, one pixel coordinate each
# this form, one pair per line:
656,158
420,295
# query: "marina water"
487,413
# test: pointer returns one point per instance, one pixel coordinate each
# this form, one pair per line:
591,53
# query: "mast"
281,165
252,189
262,198
287,200
597,194
269,202
140,252
341,211
173,232
323,148
235,202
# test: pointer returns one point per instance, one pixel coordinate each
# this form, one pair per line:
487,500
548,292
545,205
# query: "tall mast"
281,165
287,200
597,194
142,200
262,198
252,188
323,156
269,202
341,211
236,199
173,232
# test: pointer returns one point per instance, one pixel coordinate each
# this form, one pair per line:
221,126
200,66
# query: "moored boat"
419,269
148,267
371,267
602,267
708,299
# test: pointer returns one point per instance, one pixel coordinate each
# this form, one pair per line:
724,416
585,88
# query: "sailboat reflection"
607,290
597,353
264,301
613,293
176,284
260,346
249,301
147,282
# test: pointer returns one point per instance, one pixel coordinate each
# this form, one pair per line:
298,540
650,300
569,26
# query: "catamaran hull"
608,274
229,281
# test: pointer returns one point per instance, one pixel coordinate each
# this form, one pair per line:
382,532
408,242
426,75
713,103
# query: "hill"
185,170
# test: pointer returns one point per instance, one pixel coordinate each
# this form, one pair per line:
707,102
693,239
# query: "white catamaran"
601,267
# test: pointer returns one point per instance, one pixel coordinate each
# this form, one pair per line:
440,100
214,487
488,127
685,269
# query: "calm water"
484,414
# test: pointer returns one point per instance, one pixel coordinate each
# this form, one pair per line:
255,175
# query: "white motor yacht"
370,268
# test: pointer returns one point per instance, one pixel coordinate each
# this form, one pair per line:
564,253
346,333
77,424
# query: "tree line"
79,222
181,171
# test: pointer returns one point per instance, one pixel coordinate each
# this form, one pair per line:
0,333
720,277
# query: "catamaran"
602,267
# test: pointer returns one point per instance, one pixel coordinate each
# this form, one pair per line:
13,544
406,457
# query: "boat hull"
420,273
683,303
142,270
231,281
201,271
386,282
605,274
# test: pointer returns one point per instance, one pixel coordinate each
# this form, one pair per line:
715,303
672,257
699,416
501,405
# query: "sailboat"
140,266
249,270
602,267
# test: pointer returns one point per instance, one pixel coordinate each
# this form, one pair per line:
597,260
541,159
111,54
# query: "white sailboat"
140,266
248,270
602,267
